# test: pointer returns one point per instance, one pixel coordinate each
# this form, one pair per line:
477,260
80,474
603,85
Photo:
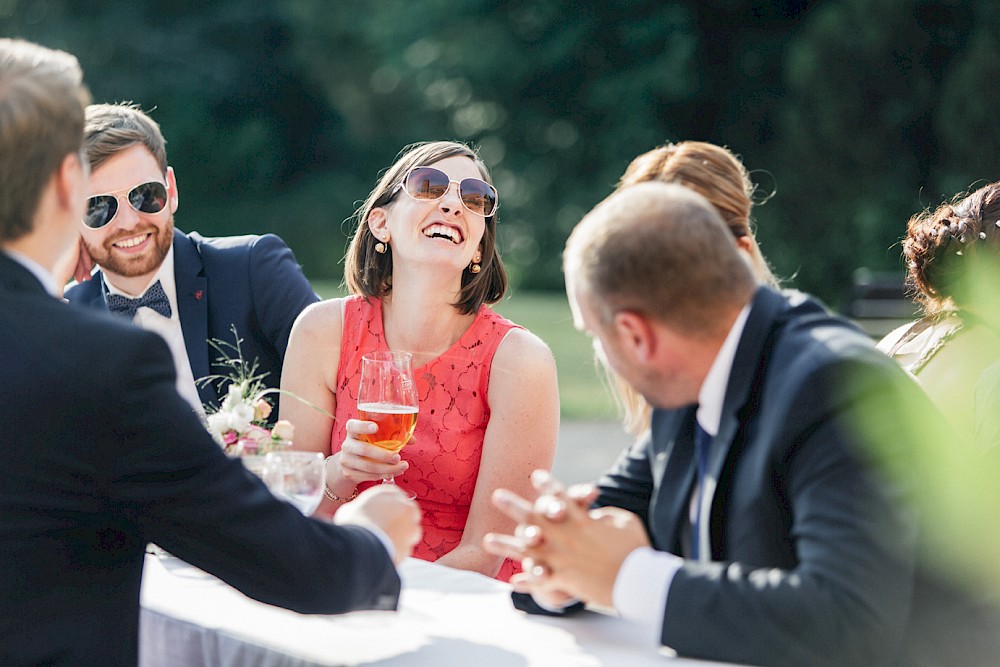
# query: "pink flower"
256,433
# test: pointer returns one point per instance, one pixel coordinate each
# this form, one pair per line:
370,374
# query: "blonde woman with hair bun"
719,176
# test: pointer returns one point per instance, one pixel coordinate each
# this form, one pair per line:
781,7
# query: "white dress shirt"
169,329
643,582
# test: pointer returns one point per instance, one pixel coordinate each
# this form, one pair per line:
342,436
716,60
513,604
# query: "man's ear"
744,243
172,194
70,183
635,334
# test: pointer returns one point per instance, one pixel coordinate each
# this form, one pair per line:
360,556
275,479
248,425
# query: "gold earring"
381,247
474,267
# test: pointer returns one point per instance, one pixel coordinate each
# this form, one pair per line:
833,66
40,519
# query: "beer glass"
387,396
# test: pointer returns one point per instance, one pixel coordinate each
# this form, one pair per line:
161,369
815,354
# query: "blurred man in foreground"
100,454
751,525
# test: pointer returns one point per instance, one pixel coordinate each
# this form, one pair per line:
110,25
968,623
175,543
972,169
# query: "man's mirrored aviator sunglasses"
431,184
144,198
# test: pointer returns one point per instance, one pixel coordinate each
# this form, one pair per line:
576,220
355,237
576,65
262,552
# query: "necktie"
702,445
154,298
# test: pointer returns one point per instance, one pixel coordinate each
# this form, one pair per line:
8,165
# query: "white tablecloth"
446,617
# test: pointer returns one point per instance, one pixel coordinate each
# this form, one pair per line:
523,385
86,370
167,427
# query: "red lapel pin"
197,295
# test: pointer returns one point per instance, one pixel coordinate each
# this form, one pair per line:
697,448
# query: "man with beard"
190,289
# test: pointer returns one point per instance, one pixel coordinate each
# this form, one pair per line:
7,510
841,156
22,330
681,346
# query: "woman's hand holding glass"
359,461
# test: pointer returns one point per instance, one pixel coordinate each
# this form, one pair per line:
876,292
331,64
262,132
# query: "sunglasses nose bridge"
452,195
126,216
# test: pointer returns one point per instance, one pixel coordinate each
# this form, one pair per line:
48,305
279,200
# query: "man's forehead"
126,168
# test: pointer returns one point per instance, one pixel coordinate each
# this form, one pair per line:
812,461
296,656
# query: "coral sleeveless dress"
447,443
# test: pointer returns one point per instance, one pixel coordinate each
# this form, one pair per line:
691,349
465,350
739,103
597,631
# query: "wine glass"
387,396
296,476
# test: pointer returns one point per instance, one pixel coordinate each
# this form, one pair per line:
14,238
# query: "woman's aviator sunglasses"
144,198
430,184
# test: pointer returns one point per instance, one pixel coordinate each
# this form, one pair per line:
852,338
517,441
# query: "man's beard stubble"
129,266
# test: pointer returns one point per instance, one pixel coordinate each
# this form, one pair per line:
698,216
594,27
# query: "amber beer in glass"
387,395
395,424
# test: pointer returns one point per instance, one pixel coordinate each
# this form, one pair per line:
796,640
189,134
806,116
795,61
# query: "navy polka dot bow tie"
154,298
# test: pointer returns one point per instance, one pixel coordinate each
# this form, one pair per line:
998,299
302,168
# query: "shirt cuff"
642,585
558,609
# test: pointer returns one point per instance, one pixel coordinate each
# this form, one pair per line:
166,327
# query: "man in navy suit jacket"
101,455
757,522
213,285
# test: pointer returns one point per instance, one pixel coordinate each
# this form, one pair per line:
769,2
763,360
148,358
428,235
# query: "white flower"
234,398
240,417
218,424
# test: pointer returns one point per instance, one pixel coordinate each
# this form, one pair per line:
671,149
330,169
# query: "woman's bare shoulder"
321,321
523,351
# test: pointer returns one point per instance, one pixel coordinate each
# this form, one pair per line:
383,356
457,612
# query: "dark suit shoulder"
224,256
814,338
242,243
87,337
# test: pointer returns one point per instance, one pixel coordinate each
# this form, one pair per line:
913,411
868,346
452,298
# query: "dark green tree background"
852,115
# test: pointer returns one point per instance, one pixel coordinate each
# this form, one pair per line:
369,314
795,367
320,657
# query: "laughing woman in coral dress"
422,269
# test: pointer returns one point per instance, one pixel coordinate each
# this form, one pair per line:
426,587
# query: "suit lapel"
90,293
192,308
677,475
746,374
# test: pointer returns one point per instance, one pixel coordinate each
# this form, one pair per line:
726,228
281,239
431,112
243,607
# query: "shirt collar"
165,274
43,275
713,389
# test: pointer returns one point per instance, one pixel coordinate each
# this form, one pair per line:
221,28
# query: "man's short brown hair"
111,128
42,97
661,250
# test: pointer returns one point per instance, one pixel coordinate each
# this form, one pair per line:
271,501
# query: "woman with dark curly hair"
956,340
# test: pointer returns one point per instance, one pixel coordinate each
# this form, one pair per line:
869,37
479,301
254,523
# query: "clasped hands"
566,550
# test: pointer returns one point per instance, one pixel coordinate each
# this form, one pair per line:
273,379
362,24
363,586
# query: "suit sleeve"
845,600
170,478
629,483
280,290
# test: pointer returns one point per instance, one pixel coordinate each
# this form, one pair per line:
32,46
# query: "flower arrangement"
240,424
